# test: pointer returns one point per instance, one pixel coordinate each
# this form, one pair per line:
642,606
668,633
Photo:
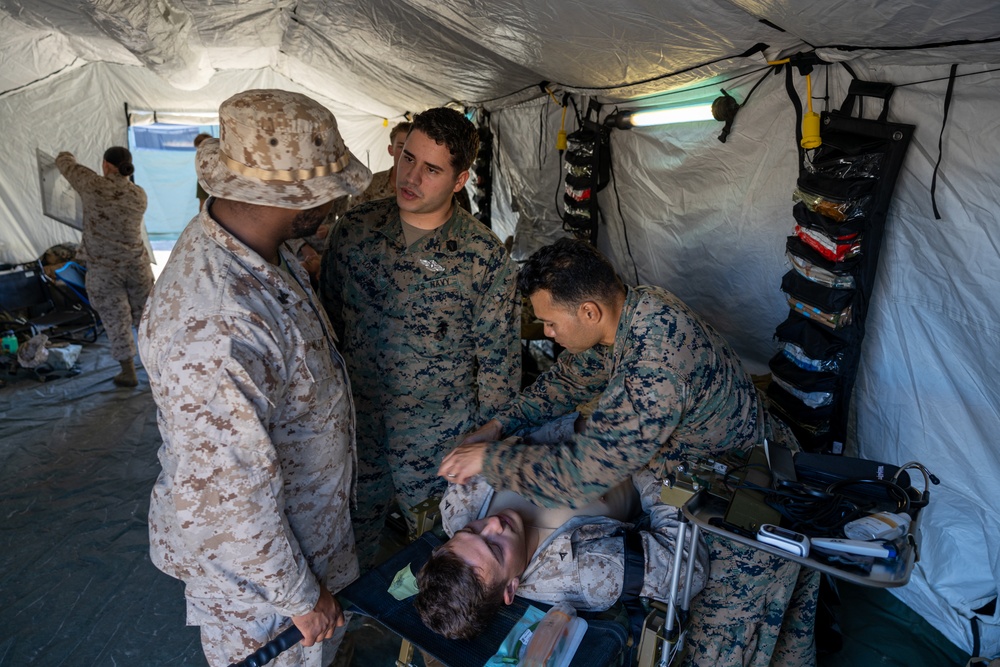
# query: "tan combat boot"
127,377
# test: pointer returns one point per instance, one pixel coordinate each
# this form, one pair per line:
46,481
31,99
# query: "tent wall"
83,111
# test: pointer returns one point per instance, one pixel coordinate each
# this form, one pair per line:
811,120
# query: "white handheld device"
794,543
859,547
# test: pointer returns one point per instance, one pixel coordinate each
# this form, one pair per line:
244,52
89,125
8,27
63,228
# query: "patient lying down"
502,545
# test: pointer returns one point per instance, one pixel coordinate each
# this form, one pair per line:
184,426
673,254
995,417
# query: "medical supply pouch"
797,356
843,230
827,246
830,307
835,208
826,299
795,412
813,266
837,320
812,399
835,159
806,381
814,388
816,341
817,275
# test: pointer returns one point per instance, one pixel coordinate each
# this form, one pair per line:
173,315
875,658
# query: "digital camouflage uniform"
118,276
671,389
757,610
251,509
583,561
430,335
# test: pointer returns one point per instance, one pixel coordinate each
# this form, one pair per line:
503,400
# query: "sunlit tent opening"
162,145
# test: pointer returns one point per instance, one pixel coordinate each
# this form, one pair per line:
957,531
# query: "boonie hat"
278,148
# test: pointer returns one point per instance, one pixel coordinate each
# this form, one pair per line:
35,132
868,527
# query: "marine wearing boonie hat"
278,148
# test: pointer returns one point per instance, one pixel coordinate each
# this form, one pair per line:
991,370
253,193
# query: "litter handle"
270,650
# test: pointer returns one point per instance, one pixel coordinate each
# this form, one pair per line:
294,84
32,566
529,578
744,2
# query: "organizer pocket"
580,178
835,320
838,199
798,357
577,195
845,230
812,266
826,299
816,341
812,399
790,406
839,144
828,247
807,381
796,246
833,163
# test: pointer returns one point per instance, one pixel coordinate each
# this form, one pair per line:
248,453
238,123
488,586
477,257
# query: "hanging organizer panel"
587,172
842,198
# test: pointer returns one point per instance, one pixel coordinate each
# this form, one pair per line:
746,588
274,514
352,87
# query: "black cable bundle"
815,513
482,172
823,512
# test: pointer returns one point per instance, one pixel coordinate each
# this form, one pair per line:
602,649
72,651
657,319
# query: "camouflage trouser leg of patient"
118,295
755,606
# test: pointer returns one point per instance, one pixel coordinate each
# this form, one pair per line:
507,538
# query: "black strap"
944,121
974,622
859,89
797,105
635,573
635,566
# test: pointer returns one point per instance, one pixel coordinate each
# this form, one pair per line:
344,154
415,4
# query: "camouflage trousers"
118,294
232,639
757,610
402,463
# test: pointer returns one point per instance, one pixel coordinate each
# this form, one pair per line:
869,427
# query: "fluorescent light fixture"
667,116
627,119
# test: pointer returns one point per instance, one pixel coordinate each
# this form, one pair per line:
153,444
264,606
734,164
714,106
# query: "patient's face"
494,546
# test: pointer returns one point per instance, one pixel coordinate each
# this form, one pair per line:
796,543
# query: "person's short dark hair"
121,158
452,600
572,271
200,138
403,127
451,128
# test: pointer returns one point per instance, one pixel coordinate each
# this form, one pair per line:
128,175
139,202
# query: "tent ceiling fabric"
705,219
421,53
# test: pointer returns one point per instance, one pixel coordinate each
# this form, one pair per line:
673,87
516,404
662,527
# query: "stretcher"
603,644
607,642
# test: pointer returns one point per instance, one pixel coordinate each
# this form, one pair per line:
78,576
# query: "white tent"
703,218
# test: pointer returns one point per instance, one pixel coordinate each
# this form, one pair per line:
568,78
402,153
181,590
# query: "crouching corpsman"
251,508
669,388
